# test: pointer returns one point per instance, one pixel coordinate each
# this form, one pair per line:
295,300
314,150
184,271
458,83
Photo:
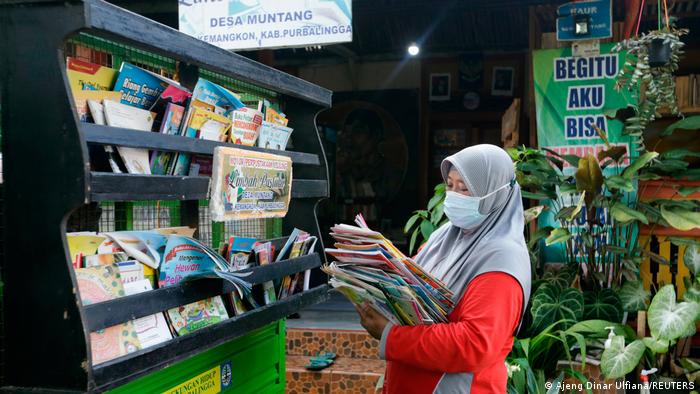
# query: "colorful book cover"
173,94
145,246
84,75
203,124
201,165
274,136
151,330
170,125
83,97
131,271
197,315
82,244
217,96
186,257
246,126
264,254
98,284
139,88
239,252
275,117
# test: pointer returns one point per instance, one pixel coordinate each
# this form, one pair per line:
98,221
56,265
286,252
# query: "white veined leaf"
668,319
618,360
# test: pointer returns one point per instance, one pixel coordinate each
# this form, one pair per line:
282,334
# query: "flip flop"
327,355
317,364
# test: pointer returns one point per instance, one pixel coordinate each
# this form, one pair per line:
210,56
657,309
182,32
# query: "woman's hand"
372,320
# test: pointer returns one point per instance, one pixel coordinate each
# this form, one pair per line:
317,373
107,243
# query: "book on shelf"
120,115
224,100
273,136
151,330
173,95
98,284
83,98
299,243
369,268
170,125
139,88
246,126
83,75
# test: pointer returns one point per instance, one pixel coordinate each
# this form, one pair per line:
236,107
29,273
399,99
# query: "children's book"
170,124
131,271
201,165
98,284
274,136
181,230
145,246
139,88
82,103
246,126
264,255
84,75
197,315
172,95
82,245
124,116
240,249
199,115
104,259
217,96
151,330
275,117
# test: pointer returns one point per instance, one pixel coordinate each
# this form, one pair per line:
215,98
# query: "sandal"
318,363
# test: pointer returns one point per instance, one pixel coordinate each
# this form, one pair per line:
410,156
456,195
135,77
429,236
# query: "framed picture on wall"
502,81
439,87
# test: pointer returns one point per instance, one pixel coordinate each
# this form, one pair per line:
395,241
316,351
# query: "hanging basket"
659,52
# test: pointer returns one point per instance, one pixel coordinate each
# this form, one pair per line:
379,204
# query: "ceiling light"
413,49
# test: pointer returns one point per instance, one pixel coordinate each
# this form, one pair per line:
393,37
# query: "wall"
367,76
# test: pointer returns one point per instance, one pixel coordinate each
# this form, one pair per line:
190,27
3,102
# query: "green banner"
572,94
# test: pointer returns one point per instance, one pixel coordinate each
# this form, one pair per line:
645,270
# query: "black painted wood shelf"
107,186
106,135
120,310
153,358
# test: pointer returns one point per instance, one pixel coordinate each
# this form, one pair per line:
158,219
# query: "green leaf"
648,176
435,200
538,235
618,360
558,235
440,188
560,278
640,162
615,153
656,345
533,213
411,221
670,166
553,305
414,237
533,196
603,304
680,218
679,153
692,293
681,241
554,389
589,176
618,182
633,296
426,228
686,191
670,320
689,123
691,259
624,214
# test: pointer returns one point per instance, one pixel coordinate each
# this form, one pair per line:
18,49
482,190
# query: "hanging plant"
650,61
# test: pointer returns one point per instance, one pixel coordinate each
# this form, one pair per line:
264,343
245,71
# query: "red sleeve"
480,325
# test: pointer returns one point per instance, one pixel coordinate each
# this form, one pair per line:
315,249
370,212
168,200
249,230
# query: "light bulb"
413,49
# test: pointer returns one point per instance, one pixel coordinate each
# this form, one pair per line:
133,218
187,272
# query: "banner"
255,24
249,185
571,95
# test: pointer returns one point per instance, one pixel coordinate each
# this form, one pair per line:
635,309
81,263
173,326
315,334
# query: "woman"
480,254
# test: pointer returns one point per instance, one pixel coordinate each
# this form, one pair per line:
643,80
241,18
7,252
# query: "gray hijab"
455,255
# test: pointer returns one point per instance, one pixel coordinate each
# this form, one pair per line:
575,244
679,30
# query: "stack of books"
370,269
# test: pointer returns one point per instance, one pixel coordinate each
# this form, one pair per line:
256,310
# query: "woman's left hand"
372,320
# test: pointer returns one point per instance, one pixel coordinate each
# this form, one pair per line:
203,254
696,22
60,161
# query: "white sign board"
254,24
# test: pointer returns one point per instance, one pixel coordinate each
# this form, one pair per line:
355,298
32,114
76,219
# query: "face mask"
463,211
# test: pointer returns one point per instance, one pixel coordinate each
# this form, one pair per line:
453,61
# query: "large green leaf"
569,213
534,196
589,177
560,278
680,218
683,241
640,162
619,182
689,123
411,221
615,153
558,235
426,228
656,345
618,360
692,293
624,214
686,191
668,319
551,304
679,153
633,296
691,259
556,384
603,304
541,233
435,200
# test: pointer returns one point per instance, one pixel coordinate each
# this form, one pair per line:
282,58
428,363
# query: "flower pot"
659,52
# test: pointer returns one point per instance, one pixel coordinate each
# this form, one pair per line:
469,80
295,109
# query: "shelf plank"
106,135
109,313
116,372
106,186
112,21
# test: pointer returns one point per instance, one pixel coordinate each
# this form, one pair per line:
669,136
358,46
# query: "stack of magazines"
370,269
